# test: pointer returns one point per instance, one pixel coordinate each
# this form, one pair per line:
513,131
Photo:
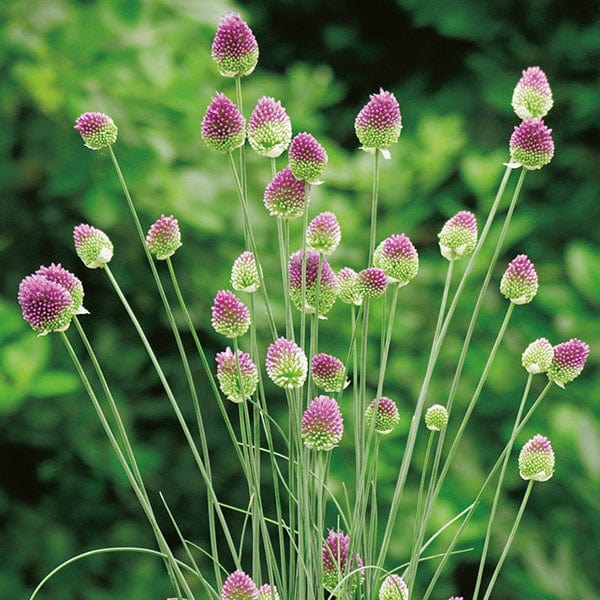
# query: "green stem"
303,271
374,200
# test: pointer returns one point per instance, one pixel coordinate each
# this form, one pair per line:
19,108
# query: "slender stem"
283,259
387,341
303,272
374,200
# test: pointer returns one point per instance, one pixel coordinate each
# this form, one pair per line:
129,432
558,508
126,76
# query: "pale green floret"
537,357
306,170
517,290
95,251
164,247
103,138
536,466
456,242
271,139
436,417
379,138
237,66
530,159
529,103
326,297
229,382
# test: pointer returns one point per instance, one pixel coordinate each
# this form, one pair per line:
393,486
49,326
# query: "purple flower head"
538,356
234,48
285,196
322,424
458,236
520,282
372,283
385,413
164,237
308,158
223,126
92,245
230,316
286,364
532,97
46,305
239,586
323,233
348,290
393,588
398,258
379,122
456,598
268,592
337,563
237,374
531,145
328,372
323,290
244,273
568,361
73,285
536,459
436,417
97,130
269,128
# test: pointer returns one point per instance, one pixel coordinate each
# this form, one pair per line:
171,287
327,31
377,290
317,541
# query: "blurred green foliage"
147,64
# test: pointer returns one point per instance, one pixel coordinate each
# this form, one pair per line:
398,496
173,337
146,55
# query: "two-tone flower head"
337,562
268,592
269,128
321,290
92,246
436,417
386,415
223,126
379,123
568,361
458,236
239,586
285,195
237,374
536,459
323,233
286,364
398,258
234,48
371,283
58,274
537,357
328,373
307,157
348,291
230,316
322,424
164,237
96,129
531,145
393,588
532,97
244,273
519,284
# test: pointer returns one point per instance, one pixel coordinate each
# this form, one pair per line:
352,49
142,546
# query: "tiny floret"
519,284
536,459
323,233
379,123
239,586
322,424
268,592
96,129
269,128
532,97
92,245
436,417
285,196
531,145
230,316
538,356
244,273
398,258
393,588
456,598
73,285
385,413
337,562
308,158
223,126
237,375
372,283
568,361
348,290
320,286
328,372
458,236
286,364
164,237
234,48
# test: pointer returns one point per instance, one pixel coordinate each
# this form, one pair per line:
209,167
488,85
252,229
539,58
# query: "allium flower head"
458,236
568,361
267,592
322,424
379,122
520,281
244,273
269,128
234,47
532,97
538,356
92,245
223,126
393,588
239,586
323,233
237,378
97,130
536,459
531,145
372,283
73,285
398,258
385,413
164,237
348,290
286,364
285,195
230,316
337,563
308,158
323,290
436,417
328,372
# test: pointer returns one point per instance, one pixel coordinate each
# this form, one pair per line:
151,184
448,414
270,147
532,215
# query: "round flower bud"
328,373
531,145
385,413
348,286
458,236
537,357
398,258
393,588
267,592
337,562
536,459
239,586
371,283
532,97
308,158
519,284
568,361
230,316
237,378
234,47
97,130
379,122
285,195
323,291
223,126
322,424
244,273
70,282
164,237
323,233
286,364
269,128
92,245
436,417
